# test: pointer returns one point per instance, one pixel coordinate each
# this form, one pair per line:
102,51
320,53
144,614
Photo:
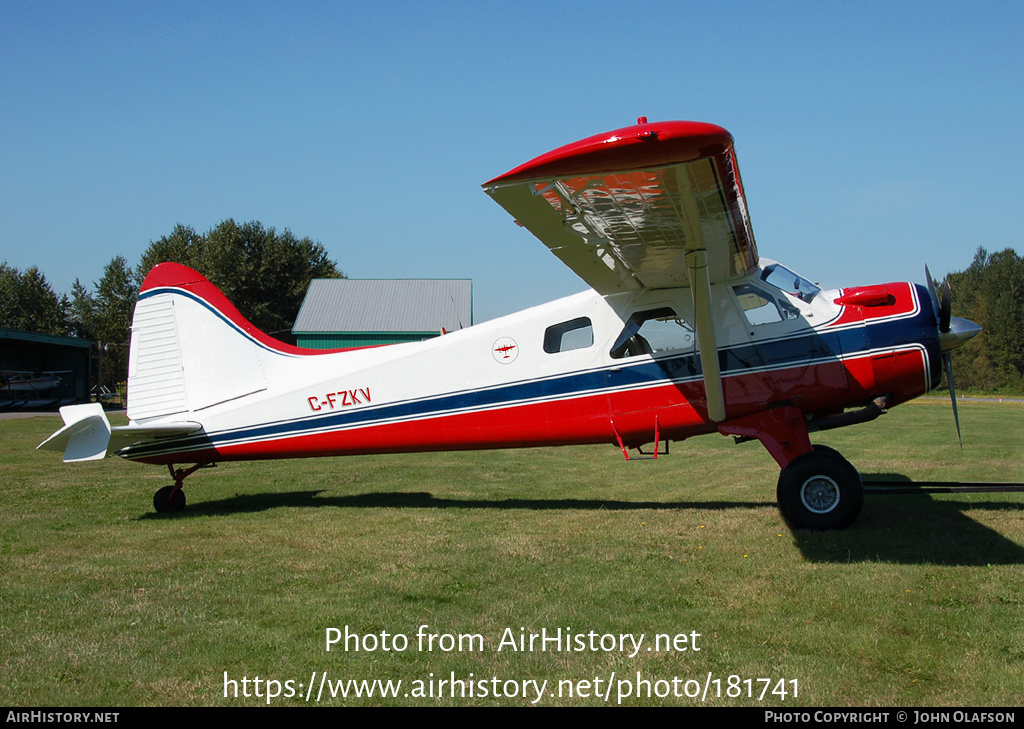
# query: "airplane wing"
622,209
650,206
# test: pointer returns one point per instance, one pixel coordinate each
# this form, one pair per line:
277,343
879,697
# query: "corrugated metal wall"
342,340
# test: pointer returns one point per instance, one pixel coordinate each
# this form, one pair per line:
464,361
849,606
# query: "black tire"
820,490
164,503
826,450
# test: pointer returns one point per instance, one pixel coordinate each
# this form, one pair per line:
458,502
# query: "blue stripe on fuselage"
811,348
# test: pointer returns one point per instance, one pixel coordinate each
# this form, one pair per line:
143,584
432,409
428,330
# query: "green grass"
919,603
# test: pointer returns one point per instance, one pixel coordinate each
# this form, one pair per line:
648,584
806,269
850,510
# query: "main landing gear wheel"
820,490
169,499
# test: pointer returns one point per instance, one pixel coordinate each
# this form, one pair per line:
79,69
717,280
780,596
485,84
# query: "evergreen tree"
28,302
990,292
262,272
106,318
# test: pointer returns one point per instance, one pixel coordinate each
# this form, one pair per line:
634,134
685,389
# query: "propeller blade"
946,307
943,307
947,359
931,290
950,336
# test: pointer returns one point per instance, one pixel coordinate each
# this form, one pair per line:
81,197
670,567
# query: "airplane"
26,389
684,331
28,381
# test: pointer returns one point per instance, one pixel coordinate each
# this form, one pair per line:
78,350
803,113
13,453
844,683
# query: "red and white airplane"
685,331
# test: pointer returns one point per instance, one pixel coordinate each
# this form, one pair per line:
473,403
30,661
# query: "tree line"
264,273
990,292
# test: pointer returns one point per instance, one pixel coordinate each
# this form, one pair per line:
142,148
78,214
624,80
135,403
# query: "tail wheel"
820,490
172,498
168,499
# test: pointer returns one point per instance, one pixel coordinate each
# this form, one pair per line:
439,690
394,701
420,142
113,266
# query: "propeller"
953,333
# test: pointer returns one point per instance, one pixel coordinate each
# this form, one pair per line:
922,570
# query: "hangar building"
346,312
27,358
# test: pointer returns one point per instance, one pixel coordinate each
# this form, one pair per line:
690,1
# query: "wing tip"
648,144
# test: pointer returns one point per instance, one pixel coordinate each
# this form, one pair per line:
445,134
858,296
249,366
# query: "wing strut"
700,284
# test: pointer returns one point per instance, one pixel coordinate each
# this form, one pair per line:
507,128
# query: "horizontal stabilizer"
88,436
126,435
85,434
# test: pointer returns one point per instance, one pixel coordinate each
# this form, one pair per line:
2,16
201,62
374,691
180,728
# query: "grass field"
918,604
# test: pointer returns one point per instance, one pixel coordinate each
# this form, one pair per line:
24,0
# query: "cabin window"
569,335
654,332
760,307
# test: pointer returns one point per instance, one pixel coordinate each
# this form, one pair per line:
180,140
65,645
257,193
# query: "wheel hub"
820,494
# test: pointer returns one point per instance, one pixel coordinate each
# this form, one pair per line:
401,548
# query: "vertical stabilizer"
190,348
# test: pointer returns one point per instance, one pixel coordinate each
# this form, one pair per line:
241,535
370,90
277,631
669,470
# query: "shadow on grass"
915,528
423,500
903,529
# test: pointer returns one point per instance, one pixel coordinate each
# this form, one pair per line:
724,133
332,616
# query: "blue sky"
872,137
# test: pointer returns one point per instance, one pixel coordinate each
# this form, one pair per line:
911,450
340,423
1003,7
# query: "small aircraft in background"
28,389
27,381
685,331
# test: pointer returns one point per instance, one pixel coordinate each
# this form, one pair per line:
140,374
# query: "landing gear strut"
172,498
818,488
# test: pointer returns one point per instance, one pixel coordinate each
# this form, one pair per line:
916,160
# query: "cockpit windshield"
786,280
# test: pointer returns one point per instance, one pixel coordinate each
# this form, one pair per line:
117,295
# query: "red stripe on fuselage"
819,389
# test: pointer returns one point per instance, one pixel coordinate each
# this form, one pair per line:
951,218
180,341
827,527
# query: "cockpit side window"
654,332
569,335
